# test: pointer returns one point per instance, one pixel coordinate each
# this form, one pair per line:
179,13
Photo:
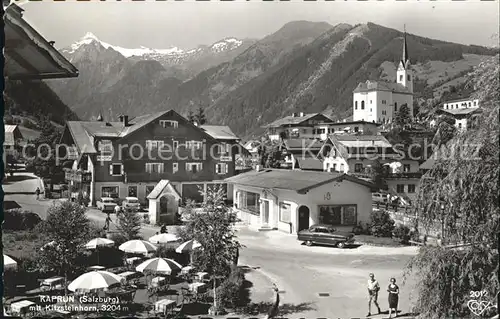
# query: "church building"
379,101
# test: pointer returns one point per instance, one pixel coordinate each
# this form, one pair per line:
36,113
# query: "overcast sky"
189,24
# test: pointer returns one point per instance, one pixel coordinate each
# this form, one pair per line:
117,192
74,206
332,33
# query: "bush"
17,219
382,224
402,233
361,229
229,293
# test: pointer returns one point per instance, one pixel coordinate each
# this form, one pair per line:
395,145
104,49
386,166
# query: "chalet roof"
465,99
310,164
12,133
28,55
293,120
220,132
83,132
466,111
381,86
302,143
361,140
294,180
162,187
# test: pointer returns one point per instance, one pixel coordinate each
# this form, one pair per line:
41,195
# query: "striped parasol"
99,242
159,265
188,246
95,280
137,246
163,238
8,262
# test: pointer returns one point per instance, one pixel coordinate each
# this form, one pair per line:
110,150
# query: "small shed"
163,203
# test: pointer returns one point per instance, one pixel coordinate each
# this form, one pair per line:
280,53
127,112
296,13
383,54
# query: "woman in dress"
393,290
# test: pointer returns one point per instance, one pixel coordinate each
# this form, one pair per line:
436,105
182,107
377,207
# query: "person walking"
393,291
108,220
117,210
37,192
373,289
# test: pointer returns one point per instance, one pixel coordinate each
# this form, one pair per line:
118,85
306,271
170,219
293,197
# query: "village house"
357,154
316,126
379,101
465,111
291,201
130,157
11,144
294,150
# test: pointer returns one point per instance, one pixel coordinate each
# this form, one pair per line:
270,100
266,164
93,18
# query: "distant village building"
356,154
294,200
379,101
160,152
465,111
316,126
13,138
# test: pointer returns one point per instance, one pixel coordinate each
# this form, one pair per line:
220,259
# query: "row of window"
106,146
359,168
118,170
363,105
169,123
464,104
400,188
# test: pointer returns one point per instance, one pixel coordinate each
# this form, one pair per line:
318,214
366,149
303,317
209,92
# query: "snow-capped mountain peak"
89,37
226,44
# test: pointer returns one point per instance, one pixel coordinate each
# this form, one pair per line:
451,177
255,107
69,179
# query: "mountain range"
304,66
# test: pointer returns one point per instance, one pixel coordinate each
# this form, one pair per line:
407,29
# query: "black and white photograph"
251,159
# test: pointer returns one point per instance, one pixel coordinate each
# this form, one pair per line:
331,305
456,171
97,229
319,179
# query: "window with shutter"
116,169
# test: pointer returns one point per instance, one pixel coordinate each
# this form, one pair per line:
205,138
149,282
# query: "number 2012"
478,294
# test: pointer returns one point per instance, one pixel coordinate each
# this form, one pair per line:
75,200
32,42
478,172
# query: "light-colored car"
131,202
379,198
106,204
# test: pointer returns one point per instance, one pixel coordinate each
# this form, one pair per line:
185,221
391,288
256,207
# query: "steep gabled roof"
220,132
369,86
83,132
12,133
295,120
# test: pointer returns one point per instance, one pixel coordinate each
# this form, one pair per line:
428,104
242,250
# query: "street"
317,281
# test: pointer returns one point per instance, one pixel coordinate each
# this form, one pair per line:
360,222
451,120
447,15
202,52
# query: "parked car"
131,202
325,235
106,204
379,198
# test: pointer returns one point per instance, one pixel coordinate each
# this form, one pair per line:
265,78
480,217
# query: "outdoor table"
52,283
186,270
158,281
201,275
128,275
96,267
197,287
164,305
20,306
132,260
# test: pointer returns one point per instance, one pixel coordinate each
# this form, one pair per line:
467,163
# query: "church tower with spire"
404,74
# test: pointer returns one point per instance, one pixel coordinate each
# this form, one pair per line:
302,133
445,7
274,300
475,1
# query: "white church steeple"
404,74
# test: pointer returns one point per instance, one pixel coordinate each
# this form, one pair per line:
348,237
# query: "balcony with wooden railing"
78,176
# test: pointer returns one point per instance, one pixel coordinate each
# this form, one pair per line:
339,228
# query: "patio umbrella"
164,238
94,280
99,242
137,246
159,265
188,246
9,262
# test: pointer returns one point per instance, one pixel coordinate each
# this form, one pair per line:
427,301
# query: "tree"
213,228
129,224
403,117
462,196
378,173
270,153
68,227
200,116
191,117
445,131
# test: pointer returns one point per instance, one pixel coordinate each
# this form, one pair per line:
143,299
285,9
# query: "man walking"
118,210
37,192
373,289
